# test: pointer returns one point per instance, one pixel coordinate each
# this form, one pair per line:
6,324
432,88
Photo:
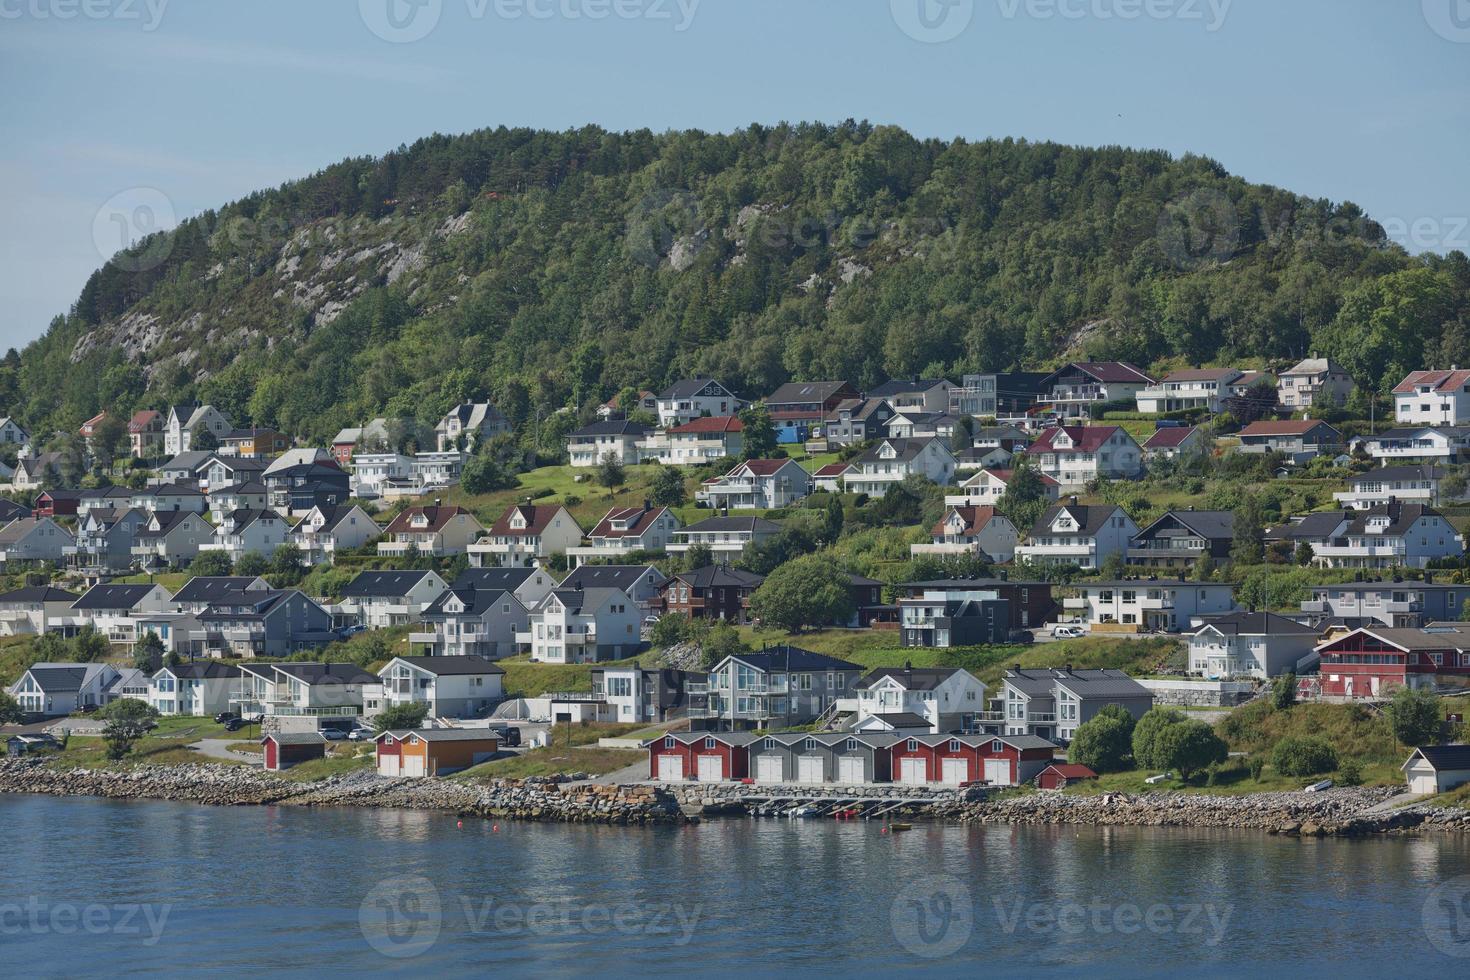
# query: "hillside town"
1018,565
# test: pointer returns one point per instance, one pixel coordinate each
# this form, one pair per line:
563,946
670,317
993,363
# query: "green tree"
204,440
669,630
1305,755
1248,547
109,439
10,712
1186,747
1146,733
1283,692
610,474
758,437
721,640
252,563
1304,554
287,567
211,564
148,652
699,555
482,474
806,591
668,487
1414,716
832,521
90,646
397,717
1103,744
128,720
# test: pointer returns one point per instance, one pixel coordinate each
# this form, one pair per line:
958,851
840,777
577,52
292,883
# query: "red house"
283,750
58,503
1060,775
1001,760
1369,661
709,757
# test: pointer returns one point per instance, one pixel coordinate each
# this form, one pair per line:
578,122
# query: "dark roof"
1212,524
1256,624
1317,525
612,427
450,666
39,593
1445,757
858,408
113,596
190,461
477,602
1116,371
1090,518
720,576
537,518
904,450
1083,683
636,521
384,583
1401,517
973,584
207,588
295,738
437,517
1425,471
58,679
787,657
912,678
622,577
804,392
687,388
1085,438
903,719
506,579
314,674
1170,437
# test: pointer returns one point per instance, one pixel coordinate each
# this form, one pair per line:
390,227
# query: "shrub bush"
1303,756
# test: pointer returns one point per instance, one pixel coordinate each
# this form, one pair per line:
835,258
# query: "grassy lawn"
16,658
562,482
1232,779
173,581
589,733
339,761
85,752
254,748
555,760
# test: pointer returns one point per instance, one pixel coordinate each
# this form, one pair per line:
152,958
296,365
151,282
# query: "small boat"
896,827
802,812
1325,784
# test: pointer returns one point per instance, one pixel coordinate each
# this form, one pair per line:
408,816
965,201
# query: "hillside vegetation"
548,270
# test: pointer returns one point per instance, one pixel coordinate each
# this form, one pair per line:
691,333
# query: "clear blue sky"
1361,100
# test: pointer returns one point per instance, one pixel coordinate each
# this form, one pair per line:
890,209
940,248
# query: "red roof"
1281,427
831,469
536,519
717,423
974,517
1005,476
644,518
141,420
1119,371
1071,770
1085,438
1169,438
437,517
1438,380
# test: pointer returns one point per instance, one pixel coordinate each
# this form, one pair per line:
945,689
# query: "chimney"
647,505
1428,577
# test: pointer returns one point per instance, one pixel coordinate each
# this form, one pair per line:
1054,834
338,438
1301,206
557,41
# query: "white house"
1417,484
893,460
468,424
1052,703
1423,444
1251,644
12,434
172,538
986,488
1173,442
525,535
1075,455
758,484
1078,534
1315,381
626,530
696,442
725,536
1433,398
197,689
942,696
228,498
379,599
372,473
584,626
112,609
589,445
1074,388
452,687
185,422
1433,769
325,531
914,394
33,539
1411,535
56,689
431,531
528,583
683,401
246,531
1147,605
1196,388
978,531
33,609
471,622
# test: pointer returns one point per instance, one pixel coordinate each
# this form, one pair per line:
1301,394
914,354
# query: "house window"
709,743
912,745
811,744
996,747
954,745
669,742
770,743
852,745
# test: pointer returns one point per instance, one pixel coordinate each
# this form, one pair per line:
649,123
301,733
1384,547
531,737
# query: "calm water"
91,887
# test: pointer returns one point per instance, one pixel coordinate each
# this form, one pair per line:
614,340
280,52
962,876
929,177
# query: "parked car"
352,630
512,736
234,724
1067,632
362,734
333,734
224,717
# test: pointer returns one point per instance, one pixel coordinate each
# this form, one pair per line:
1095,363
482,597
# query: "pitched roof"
804,392
322,674
206,588
113,596
17,529
1071,770
902,386
295,738
506,579
1315,365
537,519
687,388
1090,518
975,518
714,423
1443,757
911,678
190,461
1085,438
1170,437
390,582
1211,524
1437,380
903,449
902,719
39,593
1107,371
621,577
762,467
437,517
1282,427
1203,374
787,658
719,576
1256,624
453,666
636,521
1315,525
476,602
612,427
1107,683
831,470
860,408
202,671
1005,476
10,510
141,420
1400,517
1424,471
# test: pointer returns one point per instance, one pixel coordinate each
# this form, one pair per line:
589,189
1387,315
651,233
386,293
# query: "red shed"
1060,775
1003,760
710,757
283,750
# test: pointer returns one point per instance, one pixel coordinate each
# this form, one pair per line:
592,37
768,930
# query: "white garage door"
388,765
850,769
956,771
809,769
711,769
1422,784
670,768
413,765
768,769
998,771
913,772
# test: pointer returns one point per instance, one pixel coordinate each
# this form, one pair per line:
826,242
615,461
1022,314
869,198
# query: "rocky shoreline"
1341,812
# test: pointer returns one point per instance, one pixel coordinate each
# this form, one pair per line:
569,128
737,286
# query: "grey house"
778,687
813,758
1386,602
259,623
1180,538
857,420
1052,702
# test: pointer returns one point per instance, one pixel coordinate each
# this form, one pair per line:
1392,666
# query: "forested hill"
547,269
